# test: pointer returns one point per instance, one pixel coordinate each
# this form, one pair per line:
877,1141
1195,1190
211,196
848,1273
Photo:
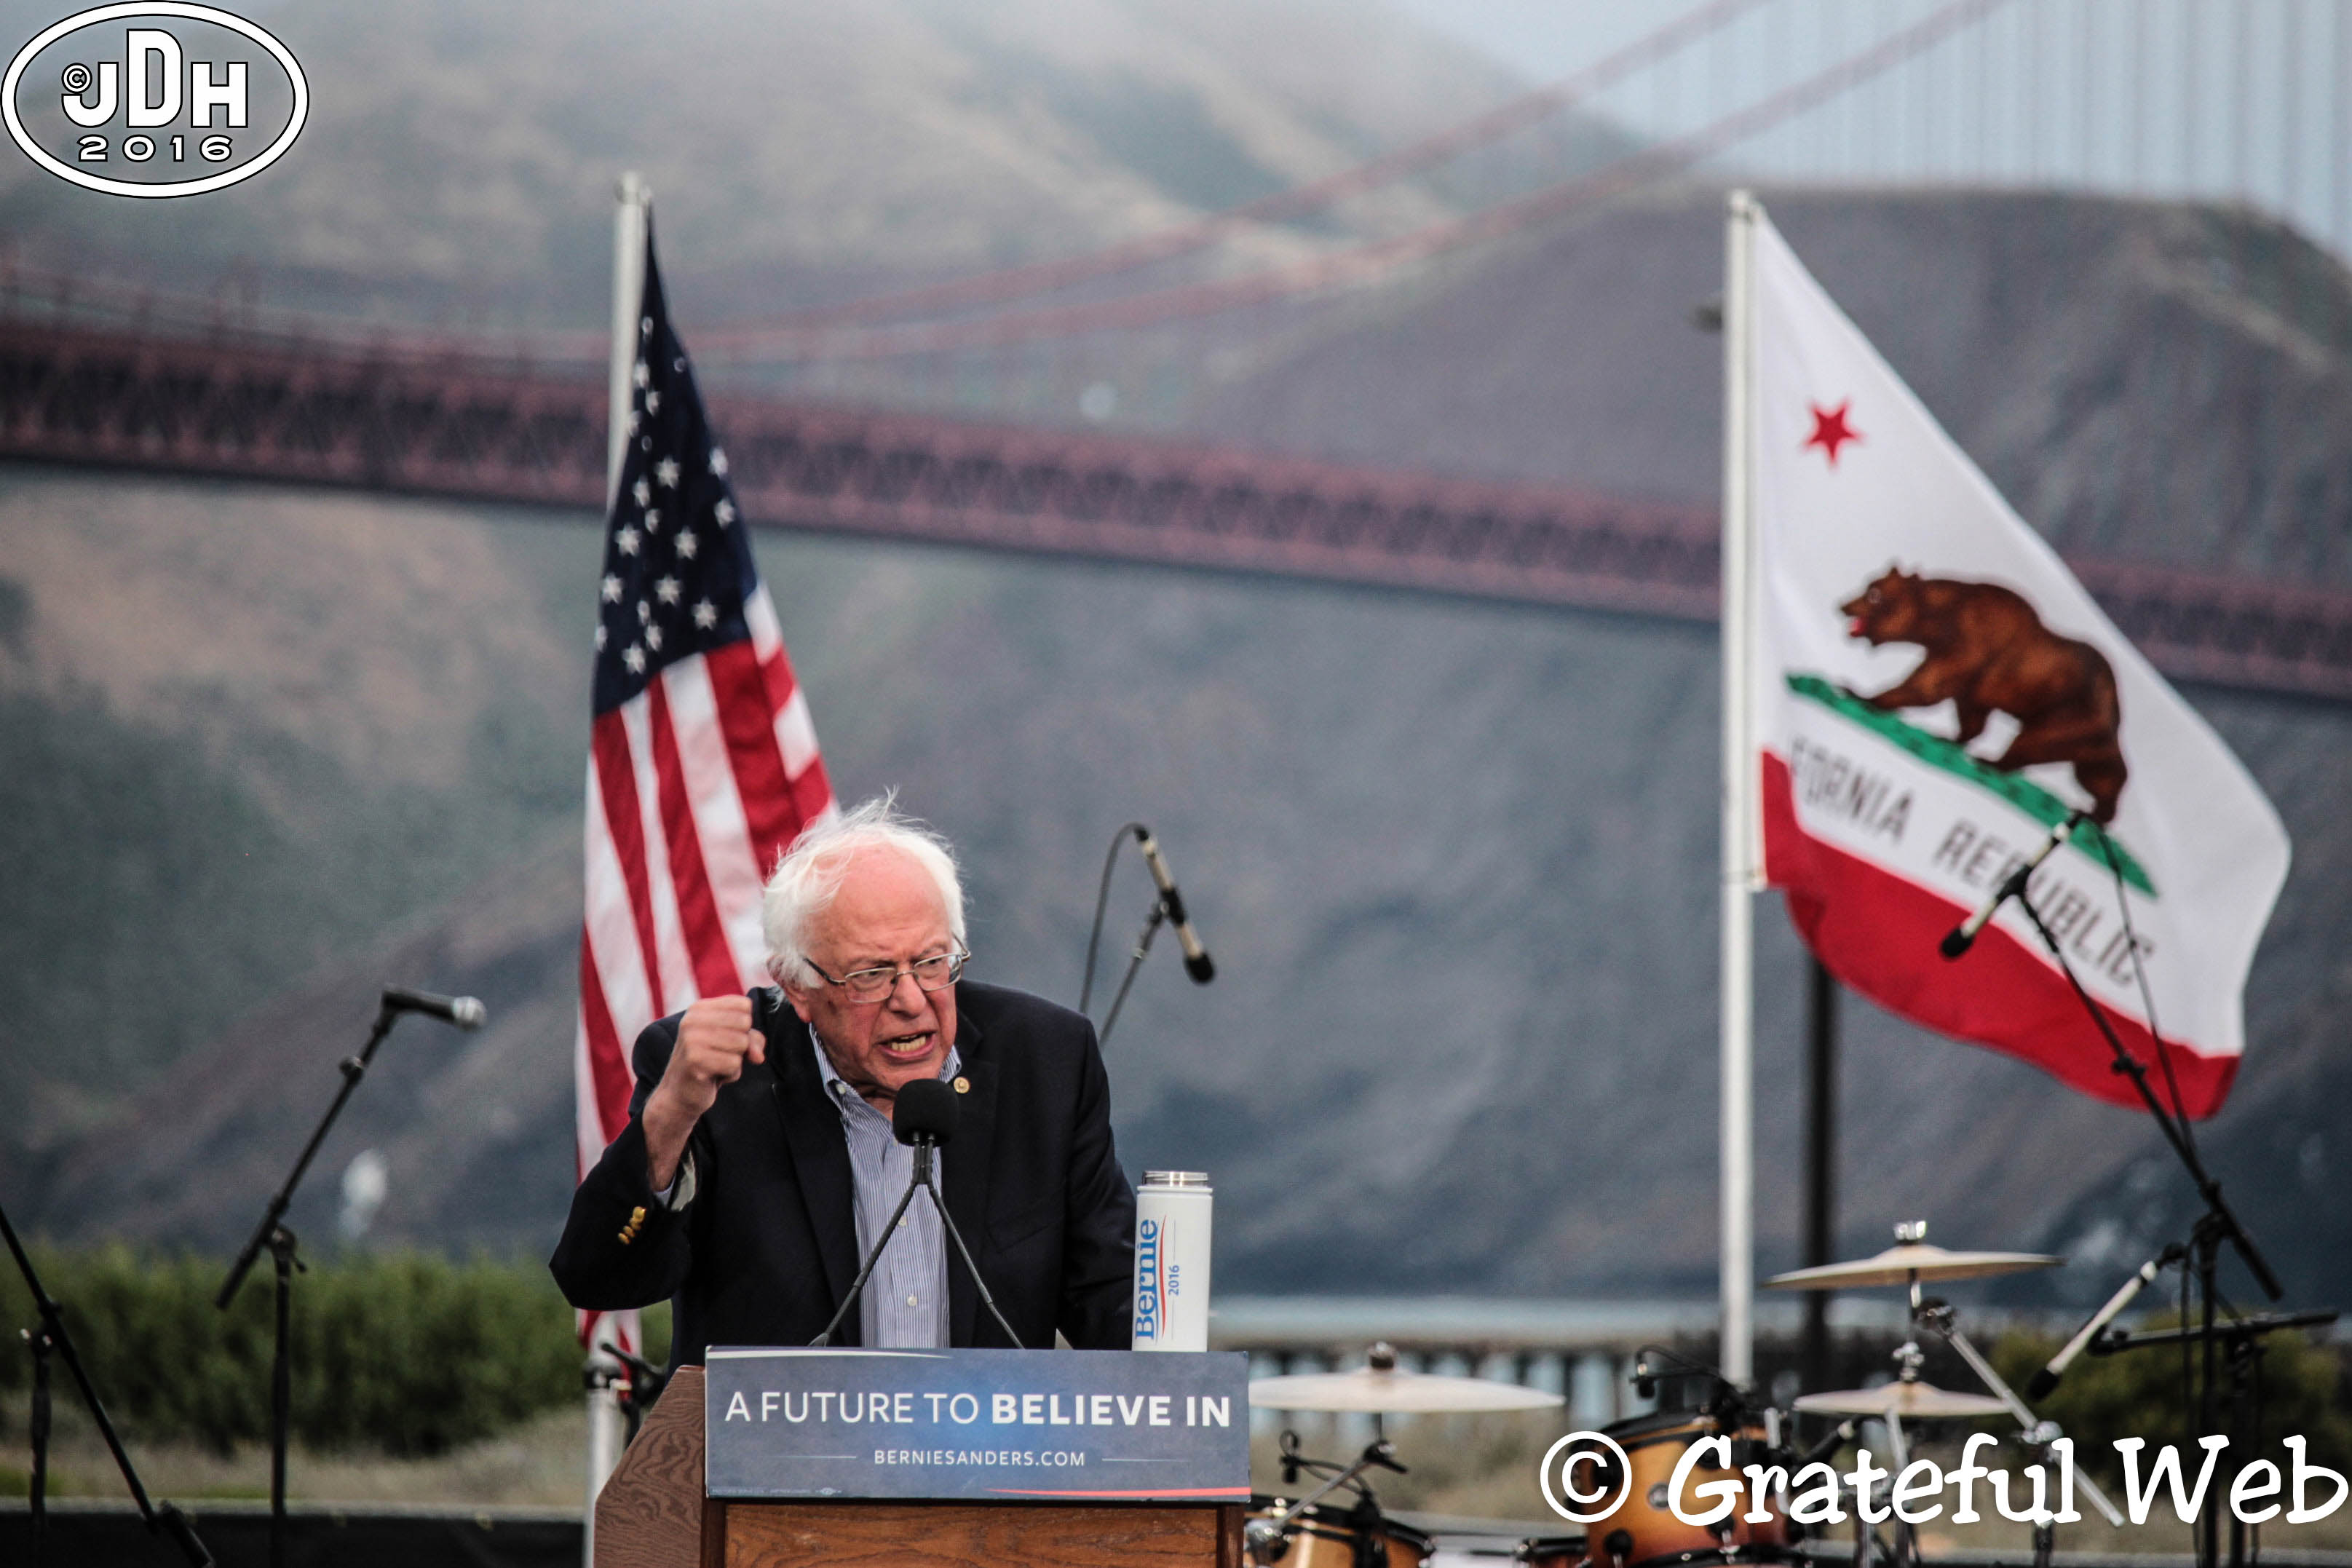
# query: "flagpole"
628,290
1821,1160
606,1430
1736,1136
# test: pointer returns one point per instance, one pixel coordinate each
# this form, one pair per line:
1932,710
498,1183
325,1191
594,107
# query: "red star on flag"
1829,429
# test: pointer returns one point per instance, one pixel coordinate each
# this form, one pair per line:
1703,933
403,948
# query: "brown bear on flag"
1988,653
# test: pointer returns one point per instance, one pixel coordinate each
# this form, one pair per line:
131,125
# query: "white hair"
809,874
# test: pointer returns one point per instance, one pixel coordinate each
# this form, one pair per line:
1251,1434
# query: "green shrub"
2307,1391
406,1353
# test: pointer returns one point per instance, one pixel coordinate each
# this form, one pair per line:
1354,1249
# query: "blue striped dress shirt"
905,1302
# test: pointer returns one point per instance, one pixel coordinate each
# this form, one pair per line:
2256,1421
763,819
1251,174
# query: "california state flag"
1932,693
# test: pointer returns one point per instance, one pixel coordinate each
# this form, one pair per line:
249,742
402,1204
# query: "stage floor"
93,1534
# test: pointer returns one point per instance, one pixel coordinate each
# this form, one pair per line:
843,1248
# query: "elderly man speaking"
757,1164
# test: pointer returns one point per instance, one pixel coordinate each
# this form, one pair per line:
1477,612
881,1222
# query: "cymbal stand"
1899,1455
1866,1542
1907,1357
1865,1539
1268,1540
1940,1318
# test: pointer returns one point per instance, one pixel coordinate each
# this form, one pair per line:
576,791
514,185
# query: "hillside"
274,807
230,760
459,160
271,747
2161,382
1455,862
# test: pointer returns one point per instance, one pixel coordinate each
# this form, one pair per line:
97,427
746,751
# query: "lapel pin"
962,1085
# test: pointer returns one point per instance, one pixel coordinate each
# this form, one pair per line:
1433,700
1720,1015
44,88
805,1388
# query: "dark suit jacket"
768,1247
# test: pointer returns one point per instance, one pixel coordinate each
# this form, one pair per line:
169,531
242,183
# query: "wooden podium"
652,1514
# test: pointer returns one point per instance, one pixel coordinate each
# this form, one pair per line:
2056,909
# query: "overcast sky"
1544,38
2163,97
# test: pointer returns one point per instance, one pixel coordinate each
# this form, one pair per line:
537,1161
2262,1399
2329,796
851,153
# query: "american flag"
702,763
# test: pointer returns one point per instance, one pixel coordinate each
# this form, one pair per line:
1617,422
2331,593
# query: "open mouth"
906,1048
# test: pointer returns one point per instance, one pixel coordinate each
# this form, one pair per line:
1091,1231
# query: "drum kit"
1308,1531
1641,1530
1913,1263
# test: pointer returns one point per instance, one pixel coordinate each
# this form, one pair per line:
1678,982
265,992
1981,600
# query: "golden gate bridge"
126,378
487,429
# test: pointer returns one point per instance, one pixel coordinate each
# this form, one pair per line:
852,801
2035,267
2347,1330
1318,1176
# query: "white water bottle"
1171,1261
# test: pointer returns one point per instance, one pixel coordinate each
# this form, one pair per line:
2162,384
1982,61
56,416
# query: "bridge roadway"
486,429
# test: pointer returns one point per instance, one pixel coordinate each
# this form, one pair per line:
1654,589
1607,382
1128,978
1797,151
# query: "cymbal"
1919,1401
1374,1391
1898,1265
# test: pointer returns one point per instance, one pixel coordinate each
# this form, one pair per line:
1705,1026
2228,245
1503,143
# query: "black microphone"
1196,957
1839,1436
466,1012
1960,937
924,1116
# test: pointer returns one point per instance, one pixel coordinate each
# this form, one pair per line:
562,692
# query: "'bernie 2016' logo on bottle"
1146,1280
154,98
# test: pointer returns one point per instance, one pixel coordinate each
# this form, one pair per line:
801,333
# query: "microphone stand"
273,1234
2215,1227
1135,955
1135,958
1268,1540
51,1339
2220,1224
923,1144
2242,1340
644,1384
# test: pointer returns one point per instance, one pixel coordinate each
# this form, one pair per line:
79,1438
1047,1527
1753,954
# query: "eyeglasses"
871,985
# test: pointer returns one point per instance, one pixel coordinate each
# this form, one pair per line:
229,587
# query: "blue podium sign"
975,1424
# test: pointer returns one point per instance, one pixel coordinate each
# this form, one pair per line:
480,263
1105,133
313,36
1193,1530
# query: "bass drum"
1324,1536
1642,1532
